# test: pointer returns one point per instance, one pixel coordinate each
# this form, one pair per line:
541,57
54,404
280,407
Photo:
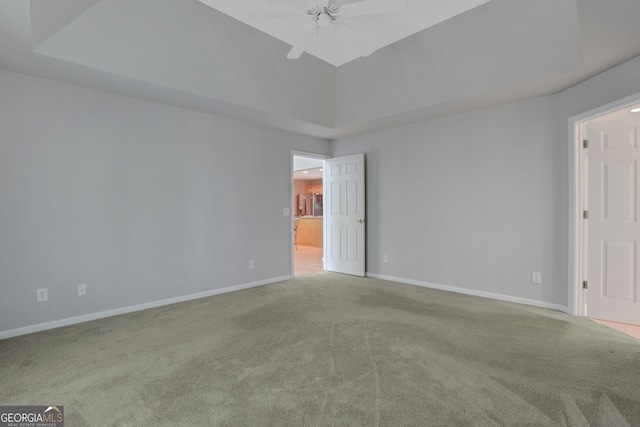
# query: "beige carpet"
330,350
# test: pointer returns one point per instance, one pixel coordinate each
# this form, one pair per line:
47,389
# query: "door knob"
361,221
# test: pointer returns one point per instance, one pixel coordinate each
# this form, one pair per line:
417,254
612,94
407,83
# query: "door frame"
291,210
578,173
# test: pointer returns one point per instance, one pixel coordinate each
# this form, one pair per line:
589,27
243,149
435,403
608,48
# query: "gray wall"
480,200
140,201
144,202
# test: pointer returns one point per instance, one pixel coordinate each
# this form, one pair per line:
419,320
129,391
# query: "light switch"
286,212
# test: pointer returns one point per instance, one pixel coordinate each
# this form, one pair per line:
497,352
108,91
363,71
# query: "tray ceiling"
186,54
282,20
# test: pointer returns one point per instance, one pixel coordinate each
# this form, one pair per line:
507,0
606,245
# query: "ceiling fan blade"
370,7
298,48
363,45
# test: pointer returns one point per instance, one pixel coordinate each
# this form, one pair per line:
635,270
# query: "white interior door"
344,234
613,227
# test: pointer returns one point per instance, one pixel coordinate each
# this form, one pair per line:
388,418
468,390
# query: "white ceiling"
307,168
308,174
186,54
282,20
303,163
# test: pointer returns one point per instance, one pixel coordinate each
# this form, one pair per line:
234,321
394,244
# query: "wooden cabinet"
315,189
310,232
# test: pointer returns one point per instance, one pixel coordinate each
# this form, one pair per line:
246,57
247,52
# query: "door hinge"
585,214
585,143
585,285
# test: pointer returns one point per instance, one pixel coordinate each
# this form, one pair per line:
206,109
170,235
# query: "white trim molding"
132,308
465,291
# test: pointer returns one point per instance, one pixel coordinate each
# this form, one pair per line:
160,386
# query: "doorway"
308,214
329,221
605,214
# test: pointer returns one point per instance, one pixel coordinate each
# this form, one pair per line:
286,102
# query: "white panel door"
613,227
344,201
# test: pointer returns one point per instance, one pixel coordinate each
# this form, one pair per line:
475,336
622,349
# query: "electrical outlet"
42,295
251,265
385,259
82,290
536,277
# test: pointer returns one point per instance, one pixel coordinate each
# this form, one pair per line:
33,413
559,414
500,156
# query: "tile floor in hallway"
632,330
307,260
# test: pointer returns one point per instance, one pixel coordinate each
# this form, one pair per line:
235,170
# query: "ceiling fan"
324,14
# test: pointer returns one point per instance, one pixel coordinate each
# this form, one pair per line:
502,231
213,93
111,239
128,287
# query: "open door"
344,232
613,219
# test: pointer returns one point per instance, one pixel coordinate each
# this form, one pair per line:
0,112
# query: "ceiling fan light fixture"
324,20
325,14
636,110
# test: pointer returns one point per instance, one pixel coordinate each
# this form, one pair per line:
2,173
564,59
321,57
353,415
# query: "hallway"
307,260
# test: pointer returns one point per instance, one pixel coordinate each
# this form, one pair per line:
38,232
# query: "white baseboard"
499,297
129,309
